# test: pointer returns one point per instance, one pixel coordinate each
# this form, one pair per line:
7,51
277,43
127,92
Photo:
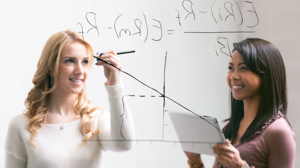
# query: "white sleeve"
116,129
15,152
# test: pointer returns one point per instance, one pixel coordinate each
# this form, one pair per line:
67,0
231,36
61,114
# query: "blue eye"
86,62
69,61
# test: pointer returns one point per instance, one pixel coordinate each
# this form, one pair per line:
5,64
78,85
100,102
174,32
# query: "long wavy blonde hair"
37,101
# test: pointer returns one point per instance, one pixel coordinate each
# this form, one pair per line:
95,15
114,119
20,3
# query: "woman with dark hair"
258,133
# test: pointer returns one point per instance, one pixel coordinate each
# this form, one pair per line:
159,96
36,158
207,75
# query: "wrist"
240,163
108,83
195,164
243,164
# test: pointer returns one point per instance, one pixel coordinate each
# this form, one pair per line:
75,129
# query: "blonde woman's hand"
228,155
111,73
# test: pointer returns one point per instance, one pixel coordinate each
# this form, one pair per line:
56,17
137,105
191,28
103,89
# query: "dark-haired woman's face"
243,83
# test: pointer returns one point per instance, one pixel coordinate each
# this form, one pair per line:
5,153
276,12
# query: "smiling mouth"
76,80
237,87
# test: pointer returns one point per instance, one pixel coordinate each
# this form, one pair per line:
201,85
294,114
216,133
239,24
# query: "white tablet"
196,133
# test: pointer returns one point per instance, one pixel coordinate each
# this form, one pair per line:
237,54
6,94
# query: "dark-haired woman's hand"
194,158
228,155
111,73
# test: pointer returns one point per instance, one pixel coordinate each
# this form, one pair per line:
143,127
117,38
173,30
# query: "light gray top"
63,148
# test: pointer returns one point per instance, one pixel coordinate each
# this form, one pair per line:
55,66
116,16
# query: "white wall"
195,69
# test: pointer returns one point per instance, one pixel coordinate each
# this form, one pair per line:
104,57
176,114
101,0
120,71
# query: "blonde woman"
59,127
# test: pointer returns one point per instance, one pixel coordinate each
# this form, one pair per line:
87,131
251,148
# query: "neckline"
263,128
60,124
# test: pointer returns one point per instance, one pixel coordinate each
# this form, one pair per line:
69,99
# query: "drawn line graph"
163,95
154,140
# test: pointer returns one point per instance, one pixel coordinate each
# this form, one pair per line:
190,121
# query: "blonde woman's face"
73,68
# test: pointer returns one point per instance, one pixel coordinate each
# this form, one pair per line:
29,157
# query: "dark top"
273,145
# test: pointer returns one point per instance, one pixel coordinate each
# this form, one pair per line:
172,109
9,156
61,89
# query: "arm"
194,160
280,141
15,152
117,125
119,128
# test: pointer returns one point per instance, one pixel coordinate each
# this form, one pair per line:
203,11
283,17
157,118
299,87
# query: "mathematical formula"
147,28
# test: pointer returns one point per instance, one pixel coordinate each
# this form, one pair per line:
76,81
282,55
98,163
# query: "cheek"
256,83
64,71
228,80
86,72
256,79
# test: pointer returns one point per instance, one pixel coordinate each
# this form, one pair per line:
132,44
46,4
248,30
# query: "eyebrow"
238,64
67,57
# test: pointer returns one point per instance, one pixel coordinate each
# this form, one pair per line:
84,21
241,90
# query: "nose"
235,75
78,69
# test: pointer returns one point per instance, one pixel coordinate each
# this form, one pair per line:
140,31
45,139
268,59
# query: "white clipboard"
197,133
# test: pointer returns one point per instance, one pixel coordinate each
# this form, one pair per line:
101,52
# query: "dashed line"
143,96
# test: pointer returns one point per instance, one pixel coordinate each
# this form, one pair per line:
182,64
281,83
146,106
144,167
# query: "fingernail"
97,53
101,54
96,63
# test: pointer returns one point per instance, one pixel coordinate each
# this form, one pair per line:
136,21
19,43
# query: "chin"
238,97
77,91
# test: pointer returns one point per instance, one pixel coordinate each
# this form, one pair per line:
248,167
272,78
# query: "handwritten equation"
121,28
221,12
146,28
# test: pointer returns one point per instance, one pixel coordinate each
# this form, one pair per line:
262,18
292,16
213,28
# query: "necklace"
62,124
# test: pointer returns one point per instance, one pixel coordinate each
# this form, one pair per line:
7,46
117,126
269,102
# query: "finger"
113,52
224,161
100,63
105,64
113,61
97,56
104,61
109,55
112,69
224,156
216,152
228,142
225,153
221,146
221,153
225,148
110,52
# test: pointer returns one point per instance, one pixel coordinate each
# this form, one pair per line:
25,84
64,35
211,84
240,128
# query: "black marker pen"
118,53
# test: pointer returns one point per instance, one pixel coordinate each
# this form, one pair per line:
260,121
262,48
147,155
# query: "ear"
50,72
